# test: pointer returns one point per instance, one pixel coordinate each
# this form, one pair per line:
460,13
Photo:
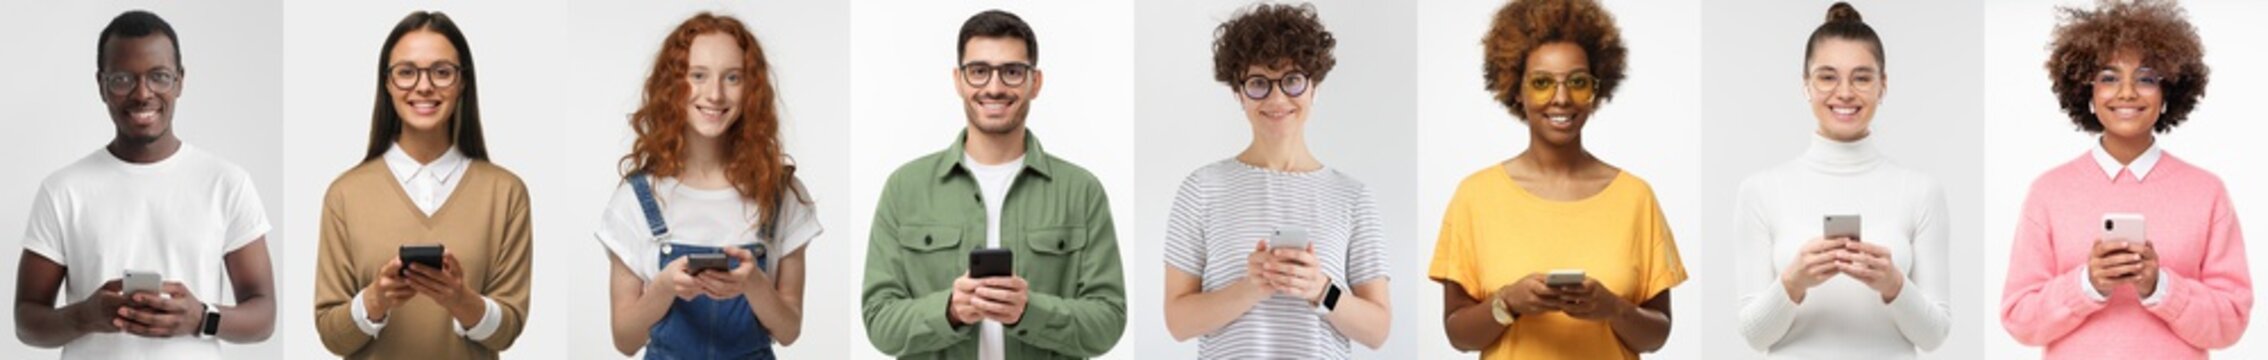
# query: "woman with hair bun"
1878,292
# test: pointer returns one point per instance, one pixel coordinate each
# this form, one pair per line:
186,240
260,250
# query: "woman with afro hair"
2127,71
1553,253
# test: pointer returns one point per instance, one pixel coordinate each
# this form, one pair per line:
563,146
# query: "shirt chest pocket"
1054,257
931,252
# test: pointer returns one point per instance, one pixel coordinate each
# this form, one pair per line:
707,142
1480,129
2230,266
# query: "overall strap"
645,191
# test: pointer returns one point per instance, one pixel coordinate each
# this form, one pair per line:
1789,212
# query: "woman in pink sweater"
2127,71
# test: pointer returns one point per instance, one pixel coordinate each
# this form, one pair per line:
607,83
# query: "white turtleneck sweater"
1781,208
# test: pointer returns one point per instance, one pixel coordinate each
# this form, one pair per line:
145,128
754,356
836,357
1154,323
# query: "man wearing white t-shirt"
145,203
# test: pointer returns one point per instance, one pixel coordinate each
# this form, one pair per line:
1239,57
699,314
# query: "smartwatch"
211,327
1330,299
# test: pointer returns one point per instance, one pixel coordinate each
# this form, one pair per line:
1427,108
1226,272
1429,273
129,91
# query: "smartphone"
1287,239
425,254
990,262
698,263
1842,226
142,281
2124,227
1564,278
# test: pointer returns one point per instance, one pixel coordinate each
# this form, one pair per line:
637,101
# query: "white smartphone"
1564,277
1842,226
142,281
1288,239
2126,227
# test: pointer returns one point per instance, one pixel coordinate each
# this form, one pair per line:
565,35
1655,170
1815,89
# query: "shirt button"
926,240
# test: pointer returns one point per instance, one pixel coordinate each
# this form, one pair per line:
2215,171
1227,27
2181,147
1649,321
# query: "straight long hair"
464,123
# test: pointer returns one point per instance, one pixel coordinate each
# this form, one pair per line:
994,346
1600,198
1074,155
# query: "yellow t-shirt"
1495,233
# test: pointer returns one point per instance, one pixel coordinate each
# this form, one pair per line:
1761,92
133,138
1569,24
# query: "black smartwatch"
1330,299
212,322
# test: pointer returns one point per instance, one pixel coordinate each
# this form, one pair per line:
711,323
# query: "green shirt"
1057,222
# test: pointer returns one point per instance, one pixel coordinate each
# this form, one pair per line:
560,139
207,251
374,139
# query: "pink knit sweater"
2208,293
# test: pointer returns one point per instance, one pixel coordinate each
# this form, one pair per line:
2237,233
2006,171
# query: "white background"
1648,129
2029,134
332,51
806,43
227,107
1362,124
903,56
555,109
1758,116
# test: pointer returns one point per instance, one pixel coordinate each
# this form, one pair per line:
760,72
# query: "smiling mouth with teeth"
1844,110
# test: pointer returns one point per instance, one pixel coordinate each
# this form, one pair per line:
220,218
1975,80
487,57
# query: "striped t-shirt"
1224,209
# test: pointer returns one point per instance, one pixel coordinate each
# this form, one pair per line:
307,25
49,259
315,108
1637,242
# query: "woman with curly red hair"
707,232
2079,281
1554,253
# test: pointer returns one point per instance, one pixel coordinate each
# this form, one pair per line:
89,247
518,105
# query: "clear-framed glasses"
2145,80
1541,87
1826,81
1011,74
406,76
1258,87
122,82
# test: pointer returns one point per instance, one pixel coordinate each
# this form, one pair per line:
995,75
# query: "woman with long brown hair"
706,233
425,181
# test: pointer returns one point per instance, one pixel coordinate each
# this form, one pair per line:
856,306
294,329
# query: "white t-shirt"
993,182
101,216
704,217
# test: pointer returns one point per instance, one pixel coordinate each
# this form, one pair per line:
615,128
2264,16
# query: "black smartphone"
425,254
984,263
698,263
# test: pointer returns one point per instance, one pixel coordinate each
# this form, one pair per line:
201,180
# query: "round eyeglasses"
1258,87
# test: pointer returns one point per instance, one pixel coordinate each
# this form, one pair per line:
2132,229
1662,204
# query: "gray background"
1758,116
1363,124
227,107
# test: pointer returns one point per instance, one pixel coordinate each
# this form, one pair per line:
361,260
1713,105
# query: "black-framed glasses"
406,76
1258,87
123,82
1011,74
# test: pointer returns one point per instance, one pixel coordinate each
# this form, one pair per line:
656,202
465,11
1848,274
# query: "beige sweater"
367,217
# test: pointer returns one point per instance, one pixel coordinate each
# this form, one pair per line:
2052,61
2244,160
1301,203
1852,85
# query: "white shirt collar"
443,169
2141,165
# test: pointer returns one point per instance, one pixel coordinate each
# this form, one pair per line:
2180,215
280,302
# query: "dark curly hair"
1268,34
1523,25
2154,29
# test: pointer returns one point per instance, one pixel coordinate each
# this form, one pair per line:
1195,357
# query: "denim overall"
702,328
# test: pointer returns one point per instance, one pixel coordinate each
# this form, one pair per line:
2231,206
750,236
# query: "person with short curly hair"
1554,253
2079,285
1254,280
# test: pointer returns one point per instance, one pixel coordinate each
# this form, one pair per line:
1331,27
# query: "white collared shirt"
427,184
2141,165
